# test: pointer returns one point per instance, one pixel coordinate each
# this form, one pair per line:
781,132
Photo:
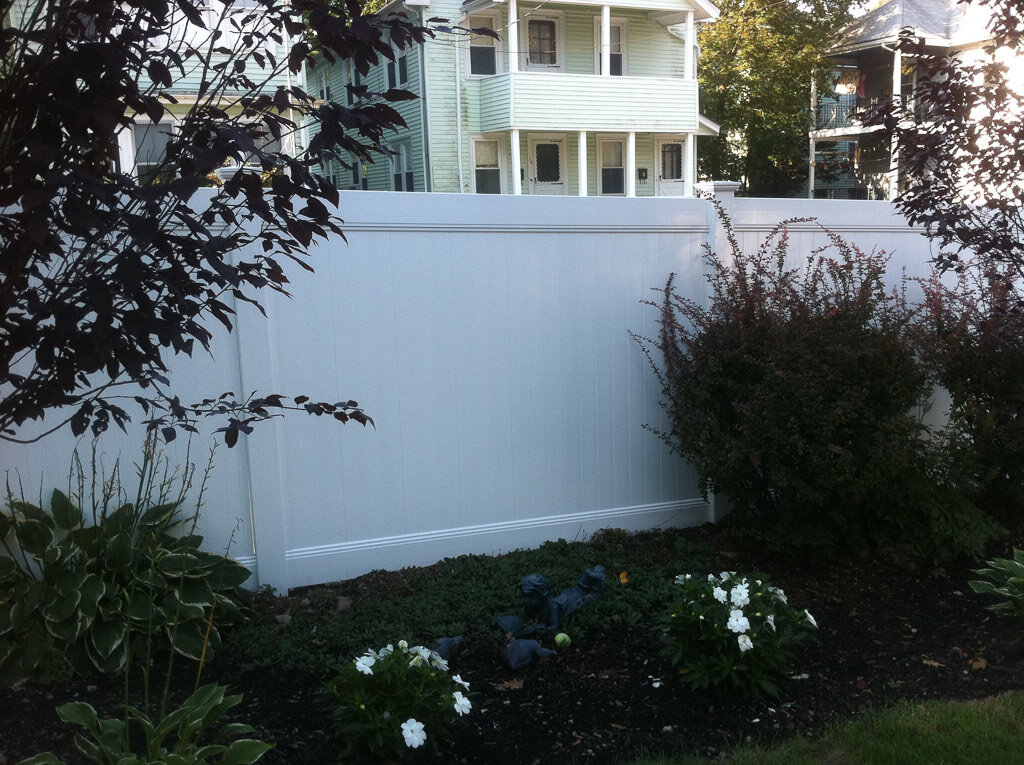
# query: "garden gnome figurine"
521,653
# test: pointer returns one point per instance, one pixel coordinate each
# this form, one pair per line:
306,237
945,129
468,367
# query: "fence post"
725,194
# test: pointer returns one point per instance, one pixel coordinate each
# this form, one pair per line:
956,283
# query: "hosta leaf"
244,751
188,638
8,568
63,607
194,593
79,713
159,517
151,579
228,574
70,581
117,553
6,524
69,630
86,538
142,609
122,520
28,510
178,564
65,513
93,589
106,637
34,536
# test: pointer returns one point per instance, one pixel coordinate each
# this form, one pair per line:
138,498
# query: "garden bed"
887,632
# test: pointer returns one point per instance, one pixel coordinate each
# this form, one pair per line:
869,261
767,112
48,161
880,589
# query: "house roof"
942,23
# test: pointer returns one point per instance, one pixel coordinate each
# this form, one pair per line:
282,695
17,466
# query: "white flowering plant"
390,702
732,634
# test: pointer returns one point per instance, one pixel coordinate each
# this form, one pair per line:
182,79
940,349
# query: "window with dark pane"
672,161
613,171
488,172
548,164
542,41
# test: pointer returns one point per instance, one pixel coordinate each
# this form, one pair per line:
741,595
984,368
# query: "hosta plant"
731,634
389,702
1004,577
96,586
186,736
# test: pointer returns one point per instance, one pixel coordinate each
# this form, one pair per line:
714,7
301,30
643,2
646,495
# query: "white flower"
404,646
740,595
683,578
719,594
771,620
462,705
711,578
416,660
745,643
725,575
779,594
413,733
363,664
810,618
737,621
386,651
460,681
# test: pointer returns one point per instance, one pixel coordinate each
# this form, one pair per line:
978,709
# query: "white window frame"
474,140
400,164
602,140
490,20
393,70
352,77
323,84
524,45
135,143
623,25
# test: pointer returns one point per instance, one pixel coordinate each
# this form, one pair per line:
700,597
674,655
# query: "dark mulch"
888,633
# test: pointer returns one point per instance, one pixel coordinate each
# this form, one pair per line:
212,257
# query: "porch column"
517,176
689,70
812,148
689,164
513,35
606,41
631,165
894,160
582,165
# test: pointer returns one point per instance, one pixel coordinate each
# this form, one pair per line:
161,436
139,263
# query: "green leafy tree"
757,64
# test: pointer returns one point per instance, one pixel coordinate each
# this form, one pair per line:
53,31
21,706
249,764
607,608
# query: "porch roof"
941,22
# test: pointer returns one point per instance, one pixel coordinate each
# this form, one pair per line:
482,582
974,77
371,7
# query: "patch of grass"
463,596
985,732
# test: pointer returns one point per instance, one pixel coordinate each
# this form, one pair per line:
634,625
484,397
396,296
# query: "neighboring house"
572,98
847,159
142,147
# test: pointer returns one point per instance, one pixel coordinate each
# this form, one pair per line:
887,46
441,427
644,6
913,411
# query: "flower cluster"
376,691
731,632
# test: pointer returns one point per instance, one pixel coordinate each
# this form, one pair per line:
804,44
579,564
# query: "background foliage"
756,67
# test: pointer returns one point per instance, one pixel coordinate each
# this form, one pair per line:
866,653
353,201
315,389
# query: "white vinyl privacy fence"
488,338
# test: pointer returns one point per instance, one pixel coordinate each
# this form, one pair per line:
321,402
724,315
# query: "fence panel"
488,338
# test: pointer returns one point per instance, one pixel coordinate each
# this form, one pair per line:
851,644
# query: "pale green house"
572,98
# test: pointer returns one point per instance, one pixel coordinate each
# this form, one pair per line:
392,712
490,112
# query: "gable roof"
942,23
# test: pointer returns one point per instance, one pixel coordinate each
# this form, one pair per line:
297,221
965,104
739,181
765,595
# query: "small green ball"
562,640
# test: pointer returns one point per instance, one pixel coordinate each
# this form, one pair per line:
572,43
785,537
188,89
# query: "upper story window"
543,42
618,36
398,70
354,81
484,55
323,85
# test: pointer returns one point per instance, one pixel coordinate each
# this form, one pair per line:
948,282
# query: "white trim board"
337,562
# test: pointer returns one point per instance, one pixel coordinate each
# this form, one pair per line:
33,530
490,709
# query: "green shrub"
173,739
731,634
794,393
391,701
1005,578
98,589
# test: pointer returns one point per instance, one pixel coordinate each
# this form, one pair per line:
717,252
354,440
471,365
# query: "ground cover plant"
887,632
